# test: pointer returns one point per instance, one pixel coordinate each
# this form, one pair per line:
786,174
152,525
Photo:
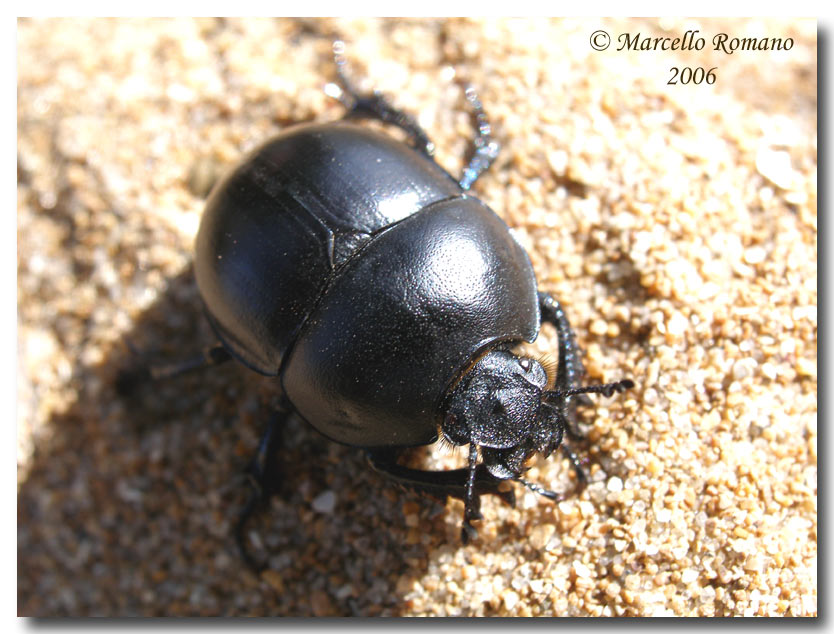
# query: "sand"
676,223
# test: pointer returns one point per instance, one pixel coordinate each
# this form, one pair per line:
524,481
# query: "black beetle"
386,299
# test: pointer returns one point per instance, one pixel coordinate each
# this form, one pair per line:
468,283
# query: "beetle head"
498,405
504,407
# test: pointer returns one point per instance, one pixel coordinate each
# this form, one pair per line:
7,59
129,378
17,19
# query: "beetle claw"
468,532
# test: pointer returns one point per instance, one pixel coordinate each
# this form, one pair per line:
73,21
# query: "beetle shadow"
128,504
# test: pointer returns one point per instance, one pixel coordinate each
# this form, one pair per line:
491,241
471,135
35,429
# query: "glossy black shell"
357,270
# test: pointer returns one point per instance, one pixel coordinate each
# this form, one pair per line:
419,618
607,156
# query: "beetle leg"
581,479
537,488
570,370
374,105
264,477
472,502
466,484
484,148
128,379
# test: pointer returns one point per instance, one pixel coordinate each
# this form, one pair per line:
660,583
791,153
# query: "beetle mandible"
386,299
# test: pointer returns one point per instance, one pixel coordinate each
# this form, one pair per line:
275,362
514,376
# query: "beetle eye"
497,407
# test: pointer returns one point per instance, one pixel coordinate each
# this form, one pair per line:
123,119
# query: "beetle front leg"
471,503
466,484
581,479
570,370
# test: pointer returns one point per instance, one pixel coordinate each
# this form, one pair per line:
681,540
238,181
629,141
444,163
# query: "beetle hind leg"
374,105
484,148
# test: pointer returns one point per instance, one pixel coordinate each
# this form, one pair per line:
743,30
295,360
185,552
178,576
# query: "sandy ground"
677,224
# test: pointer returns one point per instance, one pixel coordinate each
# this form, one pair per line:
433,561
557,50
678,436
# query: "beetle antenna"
608,389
